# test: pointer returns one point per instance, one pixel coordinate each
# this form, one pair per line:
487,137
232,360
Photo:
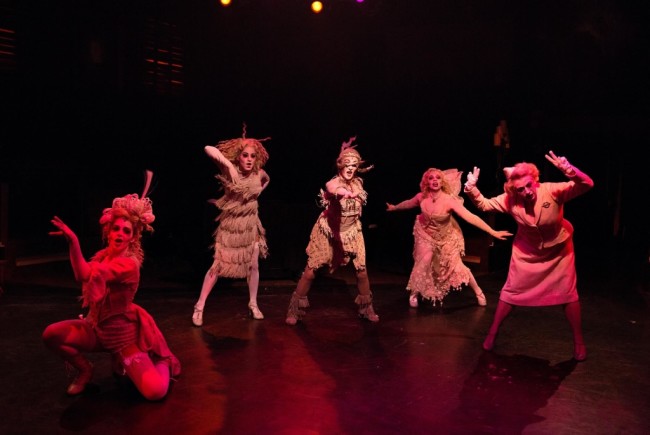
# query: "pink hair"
520,170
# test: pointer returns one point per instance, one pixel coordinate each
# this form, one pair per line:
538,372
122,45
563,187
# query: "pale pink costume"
116,320
542,266
438,250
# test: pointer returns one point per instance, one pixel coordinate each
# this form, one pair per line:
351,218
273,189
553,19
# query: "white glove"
472,179
561,163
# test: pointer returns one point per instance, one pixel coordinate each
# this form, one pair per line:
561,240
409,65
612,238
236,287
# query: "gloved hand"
472,178
561,163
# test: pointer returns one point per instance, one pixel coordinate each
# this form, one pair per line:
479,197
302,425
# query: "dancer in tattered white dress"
439,244
240,238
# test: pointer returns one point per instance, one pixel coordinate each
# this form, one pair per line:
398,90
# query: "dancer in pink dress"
542,265
114,323
439,244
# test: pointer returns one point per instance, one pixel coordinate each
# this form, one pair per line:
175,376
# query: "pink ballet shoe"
481,300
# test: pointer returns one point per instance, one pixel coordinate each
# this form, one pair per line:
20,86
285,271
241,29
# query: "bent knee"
155,391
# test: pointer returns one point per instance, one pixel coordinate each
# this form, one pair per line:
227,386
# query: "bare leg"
253,284
69,339
573,315
503,309
152,380
480,297
209,282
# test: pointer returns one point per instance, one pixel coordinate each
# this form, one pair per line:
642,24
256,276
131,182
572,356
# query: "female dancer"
336,237
542,265
114,323
439,244
239,239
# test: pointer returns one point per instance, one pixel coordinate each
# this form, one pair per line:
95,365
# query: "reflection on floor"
418,371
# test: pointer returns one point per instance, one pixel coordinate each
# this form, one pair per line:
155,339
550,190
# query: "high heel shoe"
255,312
197,317
579,352
480,298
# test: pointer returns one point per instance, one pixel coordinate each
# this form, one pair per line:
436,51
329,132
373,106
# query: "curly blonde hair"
136,210
424,182
232,148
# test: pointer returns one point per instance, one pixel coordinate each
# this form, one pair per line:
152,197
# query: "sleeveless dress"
331,245
239,227
438,250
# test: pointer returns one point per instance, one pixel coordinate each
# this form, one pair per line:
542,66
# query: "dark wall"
420,83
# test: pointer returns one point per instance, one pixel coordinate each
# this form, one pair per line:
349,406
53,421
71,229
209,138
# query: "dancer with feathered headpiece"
336,238
113,322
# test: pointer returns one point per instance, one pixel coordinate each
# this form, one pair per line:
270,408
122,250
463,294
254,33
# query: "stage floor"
417,371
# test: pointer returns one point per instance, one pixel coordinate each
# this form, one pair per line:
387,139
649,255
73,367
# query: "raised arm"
405,205
225,166
583,182
80,266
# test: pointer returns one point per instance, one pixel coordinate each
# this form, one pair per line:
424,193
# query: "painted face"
120,235
526,188
434,181
350,167
247,159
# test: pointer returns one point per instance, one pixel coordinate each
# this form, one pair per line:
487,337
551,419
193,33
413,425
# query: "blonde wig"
232,148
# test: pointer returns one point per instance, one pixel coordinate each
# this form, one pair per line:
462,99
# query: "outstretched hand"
64,230
501,235
390,207
561,163
472,178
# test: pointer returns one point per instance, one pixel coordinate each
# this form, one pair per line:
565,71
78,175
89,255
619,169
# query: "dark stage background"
421,83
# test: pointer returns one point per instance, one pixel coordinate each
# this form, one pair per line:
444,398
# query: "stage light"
316,6
224,2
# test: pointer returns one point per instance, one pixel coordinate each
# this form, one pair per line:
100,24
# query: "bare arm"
264,178
334,188
80,266
405,205
479,223
225,166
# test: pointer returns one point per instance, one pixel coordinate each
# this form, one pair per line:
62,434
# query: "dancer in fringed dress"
336,238
240,238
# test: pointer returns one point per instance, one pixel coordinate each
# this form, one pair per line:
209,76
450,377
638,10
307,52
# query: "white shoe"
413,300
197,317
255,312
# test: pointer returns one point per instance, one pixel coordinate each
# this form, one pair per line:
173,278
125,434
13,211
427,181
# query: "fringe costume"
239,227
